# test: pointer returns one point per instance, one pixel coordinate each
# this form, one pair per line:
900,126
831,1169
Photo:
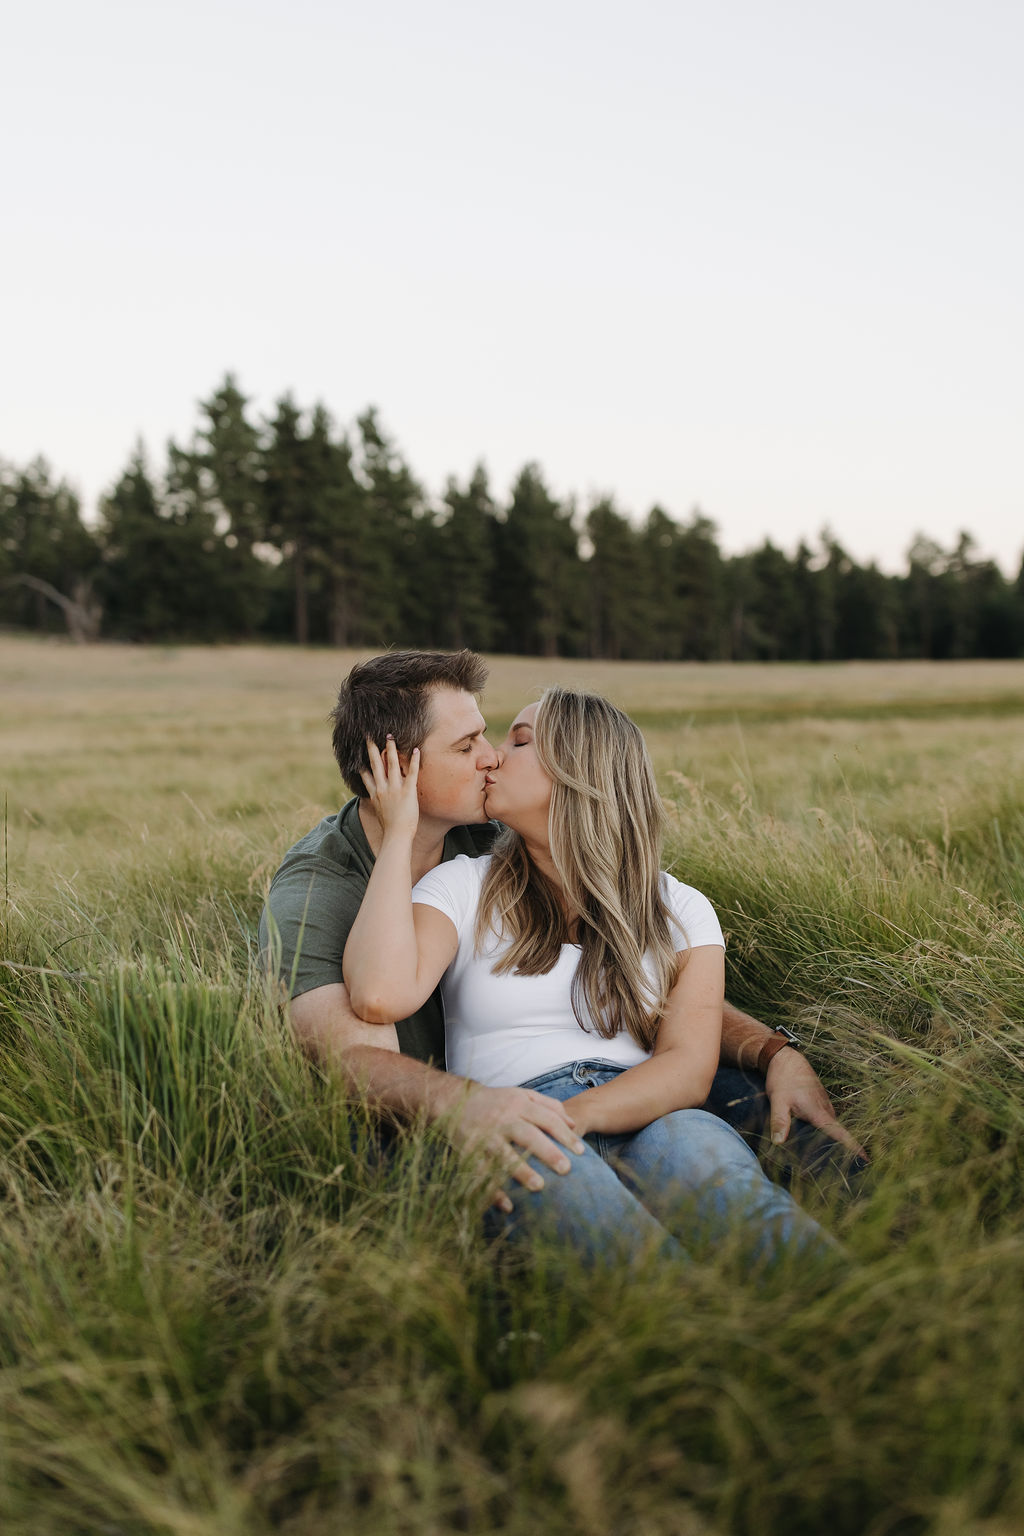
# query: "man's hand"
500,1126
795,1089
506,1125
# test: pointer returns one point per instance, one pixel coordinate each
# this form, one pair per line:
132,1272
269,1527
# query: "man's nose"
489,758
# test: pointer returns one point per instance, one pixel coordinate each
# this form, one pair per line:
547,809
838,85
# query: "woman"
570,964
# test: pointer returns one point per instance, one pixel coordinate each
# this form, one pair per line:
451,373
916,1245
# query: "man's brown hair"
392,693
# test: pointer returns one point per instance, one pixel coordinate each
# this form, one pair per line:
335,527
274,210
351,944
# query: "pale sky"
760,256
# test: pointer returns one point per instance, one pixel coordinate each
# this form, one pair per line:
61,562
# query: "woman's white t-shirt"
503,1030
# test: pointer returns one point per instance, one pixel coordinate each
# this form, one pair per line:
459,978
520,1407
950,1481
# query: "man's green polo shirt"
312,904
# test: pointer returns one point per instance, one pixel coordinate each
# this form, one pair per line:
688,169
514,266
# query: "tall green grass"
224,1311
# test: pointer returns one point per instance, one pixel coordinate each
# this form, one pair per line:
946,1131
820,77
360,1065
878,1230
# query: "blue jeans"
684,1183
809,1155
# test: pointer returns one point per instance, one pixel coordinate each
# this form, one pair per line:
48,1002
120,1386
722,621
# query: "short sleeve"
693,913
309,911
453,888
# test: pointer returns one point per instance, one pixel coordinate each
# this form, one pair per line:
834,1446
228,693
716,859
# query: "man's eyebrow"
470,735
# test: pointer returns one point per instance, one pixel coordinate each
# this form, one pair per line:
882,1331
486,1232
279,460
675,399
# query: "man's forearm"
742,1038
367,1057
400,1085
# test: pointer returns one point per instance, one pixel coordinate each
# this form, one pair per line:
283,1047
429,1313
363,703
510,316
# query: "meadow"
223,1314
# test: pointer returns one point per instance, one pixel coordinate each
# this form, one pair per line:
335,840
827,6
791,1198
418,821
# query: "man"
429,699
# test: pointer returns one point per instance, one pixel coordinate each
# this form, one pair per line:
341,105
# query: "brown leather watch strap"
770,1049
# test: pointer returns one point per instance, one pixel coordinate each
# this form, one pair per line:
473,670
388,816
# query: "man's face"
455,757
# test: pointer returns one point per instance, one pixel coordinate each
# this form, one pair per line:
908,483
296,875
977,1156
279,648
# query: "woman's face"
518,791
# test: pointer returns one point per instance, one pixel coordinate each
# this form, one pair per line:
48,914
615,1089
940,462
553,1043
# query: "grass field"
220,1318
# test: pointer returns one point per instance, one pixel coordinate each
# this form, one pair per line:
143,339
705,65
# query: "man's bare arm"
327,1030
793,1087
504,1124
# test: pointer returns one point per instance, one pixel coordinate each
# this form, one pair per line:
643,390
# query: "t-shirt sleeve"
310,909
453,888
693,913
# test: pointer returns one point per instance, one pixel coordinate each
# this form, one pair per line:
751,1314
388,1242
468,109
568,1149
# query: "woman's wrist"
580,1108
396,836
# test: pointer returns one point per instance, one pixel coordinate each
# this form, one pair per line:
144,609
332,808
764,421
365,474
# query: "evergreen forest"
290,528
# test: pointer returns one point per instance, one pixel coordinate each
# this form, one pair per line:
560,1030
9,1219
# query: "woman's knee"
698,1128
690,1146
590,1209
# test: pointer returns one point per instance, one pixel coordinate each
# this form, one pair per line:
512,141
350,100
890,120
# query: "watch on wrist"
781,1037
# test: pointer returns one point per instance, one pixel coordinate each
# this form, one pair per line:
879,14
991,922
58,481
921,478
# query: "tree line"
291,528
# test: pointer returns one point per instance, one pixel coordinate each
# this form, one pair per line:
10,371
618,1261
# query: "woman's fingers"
377,778
386,767
386,781
392,790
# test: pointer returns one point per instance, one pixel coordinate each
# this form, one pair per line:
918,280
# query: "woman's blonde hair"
605,828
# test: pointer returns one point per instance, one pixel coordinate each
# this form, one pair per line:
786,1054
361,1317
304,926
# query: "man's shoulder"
313,900
336,845
473,841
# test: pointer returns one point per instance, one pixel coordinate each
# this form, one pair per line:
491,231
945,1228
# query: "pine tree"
49,559
466,560
540,575
339,530
769,605
163,576
290,494
659,541
923,625
229,449
617,572
398,598
700,593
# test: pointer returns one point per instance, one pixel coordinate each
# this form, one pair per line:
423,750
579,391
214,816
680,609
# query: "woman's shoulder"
692,910
671,885
463,872
466,866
